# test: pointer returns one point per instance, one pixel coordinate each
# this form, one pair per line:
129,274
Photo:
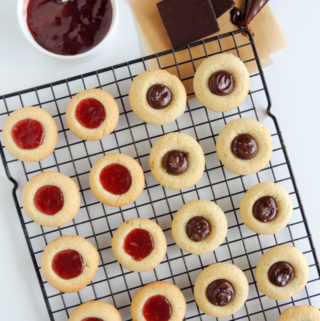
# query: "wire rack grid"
97,222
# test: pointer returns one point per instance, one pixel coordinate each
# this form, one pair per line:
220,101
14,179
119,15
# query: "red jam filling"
116,179
157,308
91,319
71,27
49,199
138,244
28,133
67,264
90,113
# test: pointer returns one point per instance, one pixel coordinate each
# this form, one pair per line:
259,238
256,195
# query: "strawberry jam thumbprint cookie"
51,199
92,114
69,263
30,134
158,301
116,179
95,311
139,244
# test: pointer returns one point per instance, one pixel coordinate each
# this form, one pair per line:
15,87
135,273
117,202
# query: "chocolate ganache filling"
281,273
220,292
244,146
221,83
159,96
175,162
265,209
243,18
198,228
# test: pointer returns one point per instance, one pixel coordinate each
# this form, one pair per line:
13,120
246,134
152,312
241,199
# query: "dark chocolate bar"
188,20
221,6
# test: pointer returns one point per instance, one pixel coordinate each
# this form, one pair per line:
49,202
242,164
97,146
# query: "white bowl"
22,18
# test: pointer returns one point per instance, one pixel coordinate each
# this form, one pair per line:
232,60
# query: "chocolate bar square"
221,6
187,20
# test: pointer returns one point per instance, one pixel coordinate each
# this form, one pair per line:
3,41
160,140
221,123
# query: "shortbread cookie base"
212,213
108,198
282,199
259,133
300,313
185,143
71,196
95,309
153,259
171,292
231,64
138,97
107,126
288,254
90,262
231,273
49,141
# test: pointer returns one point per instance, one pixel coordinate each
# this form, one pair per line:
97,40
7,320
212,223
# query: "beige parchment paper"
268,37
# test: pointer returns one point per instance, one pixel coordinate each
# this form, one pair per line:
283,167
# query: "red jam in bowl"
138,244
28,134
116,179
90,113
67,264
91,319
71,27
157,308
49,199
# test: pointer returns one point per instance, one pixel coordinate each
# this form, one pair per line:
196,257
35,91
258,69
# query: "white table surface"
293,81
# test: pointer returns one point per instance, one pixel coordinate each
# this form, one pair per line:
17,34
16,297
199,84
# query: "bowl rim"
21,14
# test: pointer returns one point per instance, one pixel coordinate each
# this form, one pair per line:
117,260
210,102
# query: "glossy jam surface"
67,264
198,228
90,113
159,96
91,319
157,308
265,209
49,199
138,244
220,292
71,27
116,179
28,134
281,273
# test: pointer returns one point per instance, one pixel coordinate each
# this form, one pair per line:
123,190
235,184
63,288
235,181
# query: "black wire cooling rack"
97,222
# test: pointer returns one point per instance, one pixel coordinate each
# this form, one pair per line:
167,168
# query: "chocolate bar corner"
188,20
